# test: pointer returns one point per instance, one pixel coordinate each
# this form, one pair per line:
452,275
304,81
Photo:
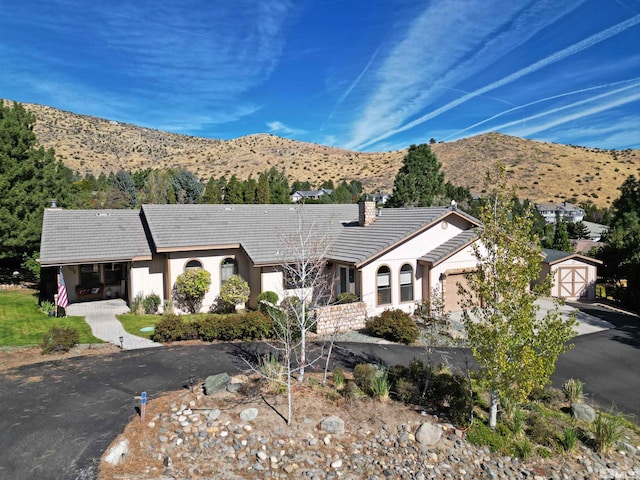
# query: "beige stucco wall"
147,277
211,261
408,253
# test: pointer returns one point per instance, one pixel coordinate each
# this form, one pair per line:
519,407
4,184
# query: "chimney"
367,213
53,203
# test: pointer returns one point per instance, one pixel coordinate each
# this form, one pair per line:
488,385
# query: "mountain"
542,171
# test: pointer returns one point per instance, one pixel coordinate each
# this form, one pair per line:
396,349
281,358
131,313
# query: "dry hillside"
542,171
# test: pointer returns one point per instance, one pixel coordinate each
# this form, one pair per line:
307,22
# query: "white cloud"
281,129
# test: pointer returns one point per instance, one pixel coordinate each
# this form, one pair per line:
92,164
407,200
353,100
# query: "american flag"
63,300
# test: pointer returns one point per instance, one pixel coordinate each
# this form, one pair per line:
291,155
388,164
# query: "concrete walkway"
101,317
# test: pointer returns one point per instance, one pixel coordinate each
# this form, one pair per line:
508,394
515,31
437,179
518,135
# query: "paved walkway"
101,316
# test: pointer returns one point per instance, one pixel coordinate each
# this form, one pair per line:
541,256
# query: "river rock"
215,383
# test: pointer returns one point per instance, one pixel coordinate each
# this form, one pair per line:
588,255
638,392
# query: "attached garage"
451,296
574,275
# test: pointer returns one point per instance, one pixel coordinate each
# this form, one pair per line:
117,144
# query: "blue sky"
371,76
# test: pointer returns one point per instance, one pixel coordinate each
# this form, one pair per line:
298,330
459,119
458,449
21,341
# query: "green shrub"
541,430
394,325
573,390
352,392
137,305
607,430
151,303
173,328
338,378
60,339
363,375
274,372
235,290
346,297
380,385
569,440
190,289
46,306
480,434
522,448
406,391
267,301
235,326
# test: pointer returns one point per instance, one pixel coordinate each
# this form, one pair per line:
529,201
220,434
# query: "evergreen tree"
561,236
124,183
420,182
250,191
235,191
299,186
187,187
578,230
621,252
30,177
263,194
278,186
213,191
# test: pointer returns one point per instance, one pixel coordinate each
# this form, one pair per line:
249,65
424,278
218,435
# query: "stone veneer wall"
341,318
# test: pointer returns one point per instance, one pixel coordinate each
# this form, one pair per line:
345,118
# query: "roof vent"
102,214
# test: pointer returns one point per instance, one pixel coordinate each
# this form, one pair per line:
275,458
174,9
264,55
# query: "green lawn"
22,322
132,323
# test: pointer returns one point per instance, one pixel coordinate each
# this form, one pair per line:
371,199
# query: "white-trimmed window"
383,284
193,265
228,267
406,283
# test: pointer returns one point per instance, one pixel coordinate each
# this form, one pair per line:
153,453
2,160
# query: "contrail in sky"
551,59
546,99
353,85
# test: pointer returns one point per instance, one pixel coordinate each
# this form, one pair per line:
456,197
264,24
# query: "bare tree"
308,285
304,266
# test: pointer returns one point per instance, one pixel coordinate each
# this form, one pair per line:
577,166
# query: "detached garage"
574,275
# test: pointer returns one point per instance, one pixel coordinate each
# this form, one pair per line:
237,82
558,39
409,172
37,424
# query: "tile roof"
258,229
86,236
451,246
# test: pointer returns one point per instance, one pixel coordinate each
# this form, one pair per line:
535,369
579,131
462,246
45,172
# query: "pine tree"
420,182
30,177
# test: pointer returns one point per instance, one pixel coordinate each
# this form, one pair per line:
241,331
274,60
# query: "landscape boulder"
428,434
584,412
118,452
249,414
215,383
333,424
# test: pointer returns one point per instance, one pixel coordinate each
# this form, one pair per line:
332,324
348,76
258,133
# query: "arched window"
228,267
193,265
384,285
406,283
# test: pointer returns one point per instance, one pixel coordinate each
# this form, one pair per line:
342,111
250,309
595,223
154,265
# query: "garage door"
451,297
572,282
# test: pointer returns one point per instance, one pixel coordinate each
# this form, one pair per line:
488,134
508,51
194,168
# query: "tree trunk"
493,410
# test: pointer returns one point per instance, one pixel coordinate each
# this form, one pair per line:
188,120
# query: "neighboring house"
309,194
596,230
390,258
565,210
574,275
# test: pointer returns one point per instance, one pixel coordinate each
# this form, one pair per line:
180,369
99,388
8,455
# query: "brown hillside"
542,171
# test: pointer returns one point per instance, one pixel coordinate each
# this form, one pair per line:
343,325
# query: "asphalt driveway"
59,417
